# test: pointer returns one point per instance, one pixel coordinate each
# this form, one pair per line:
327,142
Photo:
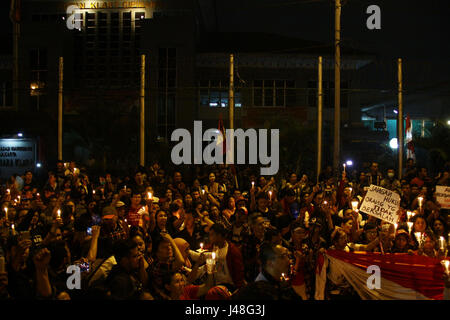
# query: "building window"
39,70
328,94
214,94
167,73
273,93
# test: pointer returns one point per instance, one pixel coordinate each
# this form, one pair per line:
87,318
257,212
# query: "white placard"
443,196
381,203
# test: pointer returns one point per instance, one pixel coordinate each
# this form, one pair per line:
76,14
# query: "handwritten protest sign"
443,196
381,203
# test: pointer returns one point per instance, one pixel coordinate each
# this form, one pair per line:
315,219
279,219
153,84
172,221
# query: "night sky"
417,31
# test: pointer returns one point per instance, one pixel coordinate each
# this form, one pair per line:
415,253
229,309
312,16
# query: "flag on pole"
402,276
221,139
410,153
14,11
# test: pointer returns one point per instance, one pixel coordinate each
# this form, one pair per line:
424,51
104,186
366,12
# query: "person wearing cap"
401,243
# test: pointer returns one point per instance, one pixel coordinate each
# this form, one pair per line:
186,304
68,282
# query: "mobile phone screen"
89,231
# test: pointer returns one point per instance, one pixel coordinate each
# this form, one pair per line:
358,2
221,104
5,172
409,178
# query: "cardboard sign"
443,196
381,203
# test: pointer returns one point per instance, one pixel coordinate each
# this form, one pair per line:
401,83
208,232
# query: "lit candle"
351,190
8,191
210,262
6,213
38,195
445,264
93,191
270,195
18,197
410,225
344,166
201,246
12,227
395,227
418,236
355,205
203,191
59,214
325,202
149,194
409,214
420,199
253,184
441,243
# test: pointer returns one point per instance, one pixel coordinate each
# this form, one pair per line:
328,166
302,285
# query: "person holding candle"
270,283
229,263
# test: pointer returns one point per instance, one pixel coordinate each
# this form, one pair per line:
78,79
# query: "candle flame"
213,255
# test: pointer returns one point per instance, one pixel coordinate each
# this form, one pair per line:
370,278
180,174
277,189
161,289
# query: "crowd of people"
202,232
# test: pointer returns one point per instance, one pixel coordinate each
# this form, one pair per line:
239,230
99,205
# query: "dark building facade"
187,66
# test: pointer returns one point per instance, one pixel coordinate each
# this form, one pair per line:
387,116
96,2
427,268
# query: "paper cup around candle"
410,225
445,264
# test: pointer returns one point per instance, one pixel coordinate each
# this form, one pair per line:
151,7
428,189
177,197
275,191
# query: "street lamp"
393,143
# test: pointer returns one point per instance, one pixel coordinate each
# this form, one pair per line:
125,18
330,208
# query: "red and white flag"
403,277
408,139
221,139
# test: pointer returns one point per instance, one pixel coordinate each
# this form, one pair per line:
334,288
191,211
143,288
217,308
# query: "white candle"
201,246
395,227
418,236
409,214
12,227
6,213
410,225
354,205
420,199
270,195
18,197
59,214
149,194
213,256
344,166
203,191
253,184
441,243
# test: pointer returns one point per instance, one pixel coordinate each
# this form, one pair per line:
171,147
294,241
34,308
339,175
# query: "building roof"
259,42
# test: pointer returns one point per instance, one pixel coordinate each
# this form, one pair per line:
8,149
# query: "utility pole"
142,118
400,119
319,119
60,108
337,85
230,143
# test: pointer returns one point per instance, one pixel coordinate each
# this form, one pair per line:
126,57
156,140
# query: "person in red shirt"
177,289
137,211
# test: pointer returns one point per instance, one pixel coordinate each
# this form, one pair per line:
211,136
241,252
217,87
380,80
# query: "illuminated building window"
214,93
